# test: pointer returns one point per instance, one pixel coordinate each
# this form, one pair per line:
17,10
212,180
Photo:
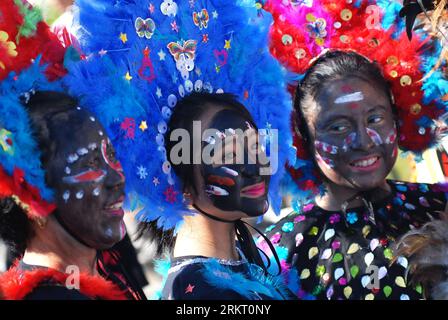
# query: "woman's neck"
53,247
336,195
203,236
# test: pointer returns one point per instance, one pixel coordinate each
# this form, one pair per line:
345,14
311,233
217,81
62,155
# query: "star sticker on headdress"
102,52
174,77
143,126
227,45
205,38
156,181
174,26
151,8
159,93
142,172
215,14
127,76
170,195
123,37
198,71
189,289
162,55
217,68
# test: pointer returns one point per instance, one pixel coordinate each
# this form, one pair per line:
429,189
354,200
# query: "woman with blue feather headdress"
202,72
61,188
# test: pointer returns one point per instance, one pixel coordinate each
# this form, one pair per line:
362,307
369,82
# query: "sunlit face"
231,187
88,181
353,133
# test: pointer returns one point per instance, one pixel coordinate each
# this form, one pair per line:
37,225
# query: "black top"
49,290
343,257
202,278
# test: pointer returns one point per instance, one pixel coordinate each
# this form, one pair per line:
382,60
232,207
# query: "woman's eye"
375,119
338,128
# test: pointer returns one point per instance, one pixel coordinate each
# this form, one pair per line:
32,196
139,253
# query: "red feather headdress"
304,30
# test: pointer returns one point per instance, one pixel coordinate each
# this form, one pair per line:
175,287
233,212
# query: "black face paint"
88,182
354,134
230,185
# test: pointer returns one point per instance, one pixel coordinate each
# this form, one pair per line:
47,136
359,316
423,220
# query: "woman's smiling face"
353,133
87,179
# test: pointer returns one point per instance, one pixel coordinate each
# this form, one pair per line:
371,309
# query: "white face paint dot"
100,133
72,158
80,194
92,119
67,170
66,196
96,192
219,91
210,140
82,151
78,108
231,131
92,146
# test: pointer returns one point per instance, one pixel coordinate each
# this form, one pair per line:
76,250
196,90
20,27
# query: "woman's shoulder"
189,278
414,196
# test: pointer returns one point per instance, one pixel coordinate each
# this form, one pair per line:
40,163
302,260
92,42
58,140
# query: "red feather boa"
16,284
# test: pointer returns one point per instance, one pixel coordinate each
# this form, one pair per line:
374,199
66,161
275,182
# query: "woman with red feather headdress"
362,91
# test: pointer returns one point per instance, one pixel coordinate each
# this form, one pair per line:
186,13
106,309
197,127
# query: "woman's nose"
364,140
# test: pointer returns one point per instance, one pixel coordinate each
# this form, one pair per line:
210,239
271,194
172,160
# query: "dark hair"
331,66
187,110
15,227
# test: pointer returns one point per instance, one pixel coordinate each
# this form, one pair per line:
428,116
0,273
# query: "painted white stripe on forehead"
351,97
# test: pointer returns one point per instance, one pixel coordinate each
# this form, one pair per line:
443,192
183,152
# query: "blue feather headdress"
161,51
22,176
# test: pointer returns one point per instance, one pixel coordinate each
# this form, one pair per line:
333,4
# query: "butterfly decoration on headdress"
183,54
201,19
145,27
